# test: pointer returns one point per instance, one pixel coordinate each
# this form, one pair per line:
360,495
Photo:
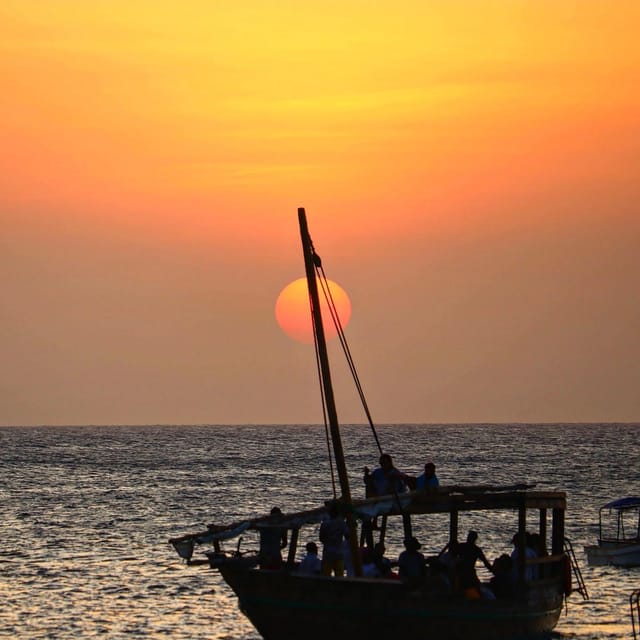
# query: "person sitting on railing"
428,481
386,479
382,481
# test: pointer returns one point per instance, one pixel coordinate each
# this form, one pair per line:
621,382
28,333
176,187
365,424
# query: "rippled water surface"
86,513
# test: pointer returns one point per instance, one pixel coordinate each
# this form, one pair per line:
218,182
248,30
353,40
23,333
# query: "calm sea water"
86,513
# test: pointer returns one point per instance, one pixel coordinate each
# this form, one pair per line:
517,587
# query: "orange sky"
470,170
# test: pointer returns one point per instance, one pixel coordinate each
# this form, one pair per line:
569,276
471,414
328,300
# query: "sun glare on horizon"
294,316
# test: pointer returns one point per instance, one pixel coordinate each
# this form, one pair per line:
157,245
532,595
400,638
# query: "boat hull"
286,606
617,554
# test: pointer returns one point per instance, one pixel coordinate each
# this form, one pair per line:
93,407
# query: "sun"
293,314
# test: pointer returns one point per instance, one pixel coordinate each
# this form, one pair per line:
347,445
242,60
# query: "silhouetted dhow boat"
283,604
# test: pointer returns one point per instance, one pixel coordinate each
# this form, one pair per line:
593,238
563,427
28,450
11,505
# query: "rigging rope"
317,261
345,346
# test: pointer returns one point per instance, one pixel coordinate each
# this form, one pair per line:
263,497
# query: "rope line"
322,277
345,346
324,404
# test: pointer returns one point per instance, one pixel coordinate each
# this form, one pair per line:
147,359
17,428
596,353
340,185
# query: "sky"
470,171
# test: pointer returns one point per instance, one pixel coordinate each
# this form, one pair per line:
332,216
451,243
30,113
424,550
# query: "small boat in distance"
619,534
284,603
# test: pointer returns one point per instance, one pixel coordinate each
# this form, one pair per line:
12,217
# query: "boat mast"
338,452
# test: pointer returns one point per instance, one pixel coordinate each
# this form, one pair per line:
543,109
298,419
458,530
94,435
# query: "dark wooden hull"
285,606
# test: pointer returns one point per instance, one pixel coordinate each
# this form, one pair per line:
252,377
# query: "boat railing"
618,540
575,569
634,605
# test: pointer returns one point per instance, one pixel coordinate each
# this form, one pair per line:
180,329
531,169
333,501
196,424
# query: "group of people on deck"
452,570
333,534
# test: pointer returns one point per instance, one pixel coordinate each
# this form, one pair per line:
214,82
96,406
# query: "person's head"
332,509
411,544
472,536
385,461
276,514
502,564
430,469
536,542
379,549
311,547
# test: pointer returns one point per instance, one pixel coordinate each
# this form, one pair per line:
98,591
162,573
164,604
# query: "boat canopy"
631,502
362,508
450,499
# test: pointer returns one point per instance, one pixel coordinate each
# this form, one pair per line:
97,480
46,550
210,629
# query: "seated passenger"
521,549
440,575
411,563
369,567
311,562
536,542
383,564
502,583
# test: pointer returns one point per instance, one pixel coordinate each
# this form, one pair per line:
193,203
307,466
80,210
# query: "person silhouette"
428,480
273,538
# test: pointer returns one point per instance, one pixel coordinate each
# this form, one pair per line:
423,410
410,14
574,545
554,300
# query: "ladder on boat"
634,605
575,569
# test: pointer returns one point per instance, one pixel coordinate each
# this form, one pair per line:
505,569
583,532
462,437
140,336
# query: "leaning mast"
310,258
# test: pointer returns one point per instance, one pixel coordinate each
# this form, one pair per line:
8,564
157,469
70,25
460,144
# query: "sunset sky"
470,171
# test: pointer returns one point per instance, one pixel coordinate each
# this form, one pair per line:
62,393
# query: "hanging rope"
343,341
321,276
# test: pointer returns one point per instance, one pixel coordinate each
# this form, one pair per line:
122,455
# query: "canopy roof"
630,502
443,500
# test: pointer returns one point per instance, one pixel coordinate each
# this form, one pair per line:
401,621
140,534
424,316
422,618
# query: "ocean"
86,513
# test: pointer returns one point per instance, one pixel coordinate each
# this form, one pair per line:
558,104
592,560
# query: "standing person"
369,485
273,538
411,563
468,553
332,533
428,481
